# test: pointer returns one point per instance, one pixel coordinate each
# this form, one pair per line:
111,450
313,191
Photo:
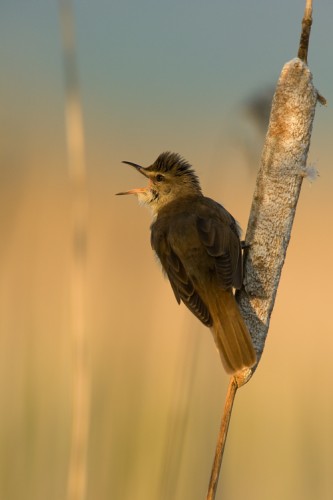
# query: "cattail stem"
279,182
306,30
229,401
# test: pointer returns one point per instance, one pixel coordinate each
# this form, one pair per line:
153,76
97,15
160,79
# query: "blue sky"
154,75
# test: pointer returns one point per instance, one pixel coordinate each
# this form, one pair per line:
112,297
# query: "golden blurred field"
157,386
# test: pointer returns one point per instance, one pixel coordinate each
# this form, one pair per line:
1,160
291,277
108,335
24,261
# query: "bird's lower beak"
133,191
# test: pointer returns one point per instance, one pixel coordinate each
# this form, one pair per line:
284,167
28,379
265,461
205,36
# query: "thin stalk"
306,30
222,437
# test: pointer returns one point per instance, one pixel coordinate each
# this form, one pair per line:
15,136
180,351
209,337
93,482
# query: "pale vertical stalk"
222,437
308,8
77,471
283,168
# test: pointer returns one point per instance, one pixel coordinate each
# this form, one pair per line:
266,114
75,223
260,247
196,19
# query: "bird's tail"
230,333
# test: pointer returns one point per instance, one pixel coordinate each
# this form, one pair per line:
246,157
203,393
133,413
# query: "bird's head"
170,177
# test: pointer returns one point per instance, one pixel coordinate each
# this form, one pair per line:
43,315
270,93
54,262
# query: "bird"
197,242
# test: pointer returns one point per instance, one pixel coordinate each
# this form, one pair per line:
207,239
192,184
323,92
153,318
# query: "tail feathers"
231,334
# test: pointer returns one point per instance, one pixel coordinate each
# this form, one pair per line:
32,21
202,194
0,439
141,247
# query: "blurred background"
196,78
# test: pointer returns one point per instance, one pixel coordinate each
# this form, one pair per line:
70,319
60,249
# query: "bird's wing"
181,283
221,240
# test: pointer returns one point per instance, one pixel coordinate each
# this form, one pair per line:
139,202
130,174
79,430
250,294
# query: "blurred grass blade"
77,471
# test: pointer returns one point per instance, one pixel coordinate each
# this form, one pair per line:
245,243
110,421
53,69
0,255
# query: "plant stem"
306,30
229,401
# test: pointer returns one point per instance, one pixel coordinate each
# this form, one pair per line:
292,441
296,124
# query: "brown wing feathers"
180,282
222,243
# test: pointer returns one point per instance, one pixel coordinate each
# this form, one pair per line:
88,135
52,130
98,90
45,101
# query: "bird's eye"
159,178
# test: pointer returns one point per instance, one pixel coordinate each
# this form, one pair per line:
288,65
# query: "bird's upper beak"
142,171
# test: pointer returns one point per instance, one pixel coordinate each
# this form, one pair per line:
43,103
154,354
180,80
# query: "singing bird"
198,244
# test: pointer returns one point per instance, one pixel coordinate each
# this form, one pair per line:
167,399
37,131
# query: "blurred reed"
77,472
179,410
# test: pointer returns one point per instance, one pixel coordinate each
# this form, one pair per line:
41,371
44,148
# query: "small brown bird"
197,242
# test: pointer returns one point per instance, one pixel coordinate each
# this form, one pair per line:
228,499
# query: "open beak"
142,171
133,191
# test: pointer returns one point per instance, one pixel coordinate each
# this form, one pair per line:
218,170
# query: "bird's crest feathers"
176,165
